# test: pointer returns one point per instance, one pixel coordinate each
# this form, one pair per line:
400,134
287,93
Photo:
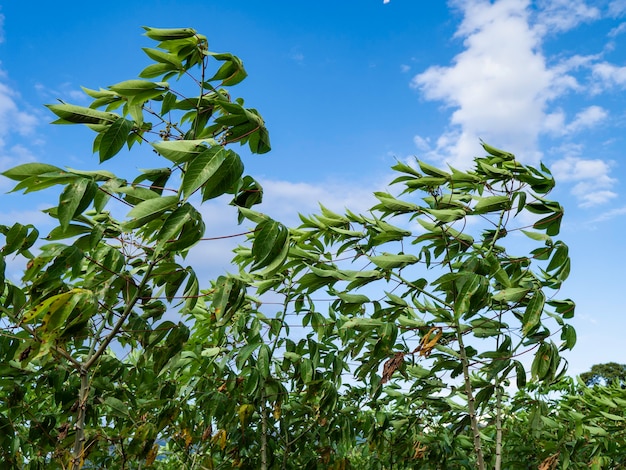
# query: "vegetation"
384,340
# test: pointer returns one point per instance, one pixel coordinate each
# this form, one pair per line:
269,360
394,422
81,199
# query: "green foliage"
98,282
605,374
384,340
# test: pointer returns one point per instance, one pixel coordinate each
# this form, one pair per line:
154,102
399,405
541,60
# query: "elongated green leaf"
245,353
471,285
537,236
133,87
263,361
447,215
492,204
148,210
533,312
51,304
393,261
229,293
163,57
180,151
268,243
70,200
225,179
512,294
561,255
114,138
542,362
166,34
432,171
26,170
69,113
175,222
201,168
156,70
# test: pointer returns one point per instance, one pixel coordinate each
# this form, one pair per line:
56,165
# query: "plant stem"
79,439
480,462
498,426
129,307
263,435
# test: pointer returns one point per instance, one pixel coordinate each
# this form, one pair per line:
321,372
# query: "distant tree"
605,374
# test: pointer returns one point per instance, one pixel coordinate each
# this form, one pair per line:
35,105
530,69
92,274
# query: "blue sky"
346,88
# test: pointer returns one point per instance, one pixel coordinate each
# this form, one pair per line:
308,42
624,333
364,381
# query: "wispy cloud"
16,122
502,88
562,15
591,179
498,87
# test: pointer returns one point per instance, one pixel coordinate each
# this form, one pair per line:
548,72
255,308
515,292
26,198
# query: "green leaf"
492,204
201,168
180,151
114,138
263,361
26,170
447,215
269,241
542,362
228,296
134,87
432,171
51,304
71,198
231,72
118,407
470,285
497,152
388,261
149,210
69,113
521,375
568,335
163,57
537,236
560,257
165,34
225,178
533,312
512,294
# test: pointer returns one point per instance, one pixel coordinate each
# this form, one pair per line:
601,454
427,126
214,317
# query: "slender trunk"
79,426
263,436
480,461
498,426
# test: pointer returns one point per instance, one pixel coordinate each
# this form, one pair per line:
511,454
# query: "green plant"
100,281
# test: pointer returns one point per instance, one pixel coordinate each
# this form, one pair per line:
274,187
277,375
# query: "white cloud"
562,15
554,123
501,87
617,30
16,122
608,76
498,86
12,118
592,183
617,8
588,117
611,214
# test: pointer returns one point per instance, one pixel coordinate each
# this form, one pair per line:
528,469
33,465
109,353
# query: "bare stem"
79,439
480,461
129,307
263,435
498,465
